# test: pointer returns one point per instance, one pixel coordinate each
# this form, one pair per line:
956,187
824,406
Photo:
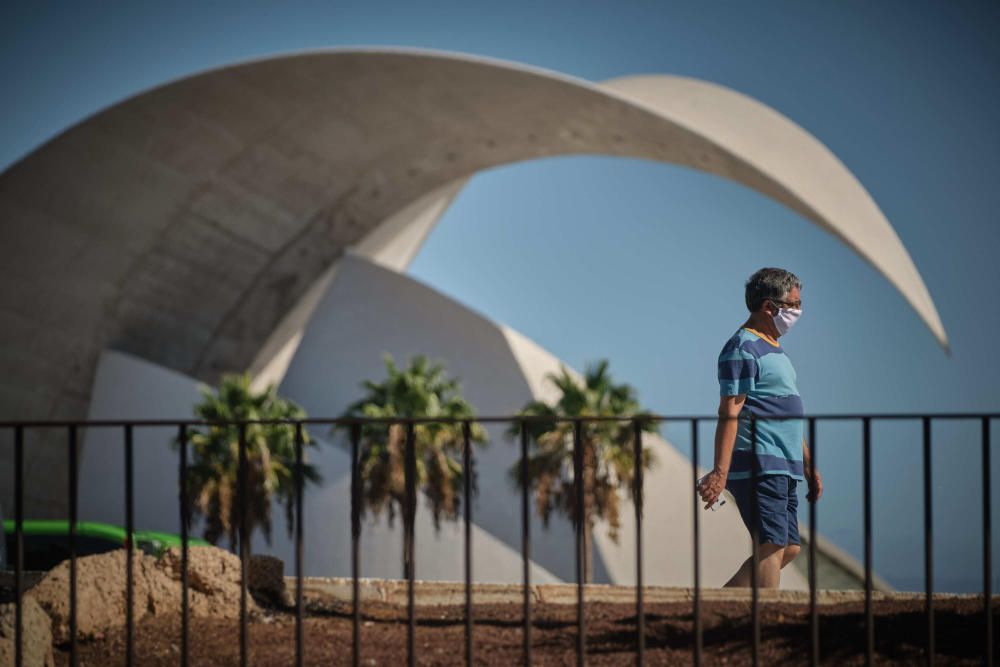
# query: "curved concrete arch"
805,175
184,224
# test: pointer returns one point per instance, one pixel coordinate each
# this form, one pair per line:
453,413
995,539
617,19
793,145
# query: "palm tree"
608,450
421,390
212,474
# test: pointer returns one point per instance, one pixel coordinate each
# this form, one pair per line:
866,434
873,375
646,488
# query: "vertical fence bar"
72,543
243,498
581,523
408,543
696,611
18,544
640,615
869,614
467,473
928,542
185,523
755,547
526,543
355,546
129,547
987,546
813,533
299,482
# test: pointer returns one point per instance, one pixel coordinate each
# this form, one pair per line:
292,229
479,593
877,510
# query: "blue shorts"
778,507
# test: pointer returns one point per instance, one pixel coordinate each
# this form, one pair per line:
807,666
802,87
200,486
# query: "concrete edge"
338,590
448,593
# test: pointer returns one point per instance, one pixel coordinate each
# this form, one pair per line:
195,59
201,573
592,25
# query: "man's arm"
812,476
725,440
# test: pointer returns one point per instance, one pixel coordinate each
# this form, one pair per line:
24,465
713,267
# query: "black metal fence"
354,427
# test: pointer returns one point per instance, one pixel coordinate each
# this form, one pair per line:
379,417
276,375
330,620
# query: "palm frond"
213,470
608,446
420,389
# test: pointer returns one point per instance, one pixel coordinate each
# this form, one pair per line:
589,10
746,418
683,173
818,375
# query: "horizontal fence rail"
354,426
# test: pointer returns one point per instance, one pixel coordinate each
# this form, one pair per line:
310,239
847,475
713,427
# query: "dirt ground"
899,636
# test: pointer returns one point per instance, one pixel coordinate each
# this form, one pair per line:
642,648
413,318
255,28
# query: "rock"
266,578
37,628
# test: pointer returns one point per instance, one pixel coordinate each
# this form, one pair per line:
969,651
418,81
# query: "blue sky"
643,263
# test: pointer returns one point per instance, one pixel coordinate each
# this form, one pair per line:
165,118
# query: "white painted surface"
165,394
130,388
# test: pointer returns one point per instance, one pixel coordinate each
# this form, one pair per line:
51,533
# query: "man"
756,377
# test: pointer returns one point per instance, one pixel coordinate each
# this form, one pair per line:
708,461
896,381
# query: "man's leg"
770,560
792,512
772,499
791,551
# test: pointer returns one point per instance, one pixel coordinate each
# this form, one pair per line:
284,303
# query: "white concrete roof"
187,224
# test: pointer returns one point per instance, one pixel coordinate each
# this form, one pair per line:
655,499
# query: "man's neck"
763,323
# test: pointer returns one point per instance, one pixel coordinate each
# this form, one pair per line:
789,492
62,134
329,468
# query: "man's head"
769,290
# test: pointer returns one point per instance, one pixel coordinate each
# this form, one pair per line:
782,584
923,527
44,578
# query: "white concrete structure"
200,225
165,395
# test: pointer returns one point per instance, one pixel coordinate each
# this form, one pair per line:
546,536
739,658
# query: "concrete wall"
169,395
129,388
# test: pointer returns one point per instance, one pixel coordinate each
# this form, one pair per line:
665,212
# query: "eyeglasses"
787,304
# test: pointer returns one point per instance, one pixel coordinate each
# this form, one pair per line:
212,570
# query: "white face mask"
786,318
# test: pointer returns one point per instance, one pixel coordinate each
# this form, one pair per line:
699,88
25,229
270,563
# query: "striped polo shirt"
752,365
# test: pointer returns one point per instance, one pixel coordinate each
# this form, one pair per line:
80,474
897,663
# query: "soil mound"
37,635
213,578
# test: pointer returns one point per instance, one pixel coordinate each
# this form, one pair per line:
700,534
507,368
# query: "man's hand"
711,487
815,486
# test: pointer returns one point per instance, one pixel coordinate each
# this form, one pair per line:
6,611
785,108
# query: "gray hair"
769,283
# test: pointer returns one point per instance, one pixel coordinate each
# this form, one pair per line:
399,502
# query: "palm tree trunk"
589,471
397,447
